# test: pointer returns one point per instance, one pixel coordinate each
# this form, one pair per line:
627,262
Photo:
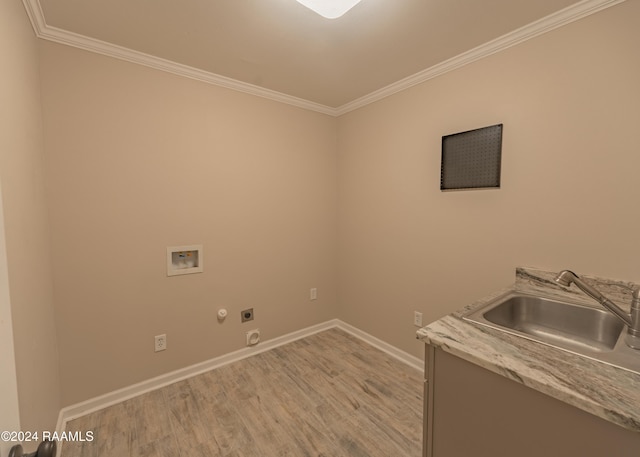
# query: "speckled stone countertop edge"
608,392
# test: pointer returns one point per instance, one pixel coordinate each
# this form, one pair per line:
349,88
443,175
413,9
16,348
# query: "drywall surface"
139,160
10,418
570,104
25,223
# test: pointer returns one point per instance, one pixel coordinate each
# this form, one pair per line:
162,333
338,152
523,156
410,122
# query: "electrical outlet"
313,294
161,342
417,319
246,315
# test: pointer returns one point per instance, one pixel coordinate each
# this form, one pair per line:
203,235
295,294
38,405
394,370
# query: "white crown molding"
544,25
47,32
529,31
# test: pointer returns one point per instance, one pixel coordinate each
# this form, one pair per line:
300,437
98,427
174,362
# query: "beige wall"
570,104
284,199
139,160
25,222
10,417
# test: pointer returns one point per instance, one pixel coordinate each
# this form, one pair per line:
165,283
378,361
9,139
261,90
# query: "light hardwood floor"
329,394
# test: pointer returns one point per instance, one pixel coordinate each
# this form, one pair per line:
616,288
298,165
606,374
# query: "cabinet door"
481,414
427,414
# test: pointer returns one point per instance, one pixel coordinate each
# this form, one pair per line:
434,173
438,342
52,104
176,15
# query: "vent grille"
472,159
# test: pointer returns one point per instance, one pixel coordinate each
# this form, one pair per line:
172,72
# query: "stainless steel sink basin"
559,323
582,330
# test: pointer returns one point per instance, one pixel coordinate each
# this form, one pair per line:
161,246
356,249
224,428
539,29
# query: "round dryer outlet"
253,337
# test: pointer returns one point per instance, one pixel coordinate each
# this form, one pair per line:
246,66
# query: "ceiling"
283,49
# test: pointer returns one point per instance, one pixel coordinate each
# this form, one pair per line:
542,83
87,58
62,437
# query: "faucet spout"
568,277
632,320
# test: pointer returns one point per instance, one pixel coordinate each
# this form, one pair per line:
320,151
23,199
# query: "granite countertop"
603,390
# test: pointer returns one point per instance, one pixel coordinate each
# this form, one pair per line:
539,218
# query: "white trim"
36,15
50,33
529,31
539,27
103,401
393,351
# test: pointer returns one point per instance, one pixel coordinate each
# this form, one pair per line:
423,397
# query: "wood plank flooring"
329,395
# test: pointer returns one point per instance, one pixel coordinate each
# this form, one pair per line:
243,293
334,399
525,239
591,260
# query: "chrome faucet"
632,320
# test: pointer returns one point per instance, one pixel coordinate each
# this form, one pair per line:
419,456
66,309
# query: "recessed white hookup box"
184,260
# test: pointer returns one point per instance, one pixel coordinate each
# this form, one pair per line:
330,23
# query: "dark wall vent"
472,159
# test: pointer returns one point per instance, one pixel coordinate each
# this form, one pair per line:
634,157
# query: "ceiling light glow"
330,9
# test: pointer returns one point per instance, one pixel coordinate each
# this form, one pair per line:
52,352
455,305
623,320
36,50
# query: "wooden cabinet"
470,411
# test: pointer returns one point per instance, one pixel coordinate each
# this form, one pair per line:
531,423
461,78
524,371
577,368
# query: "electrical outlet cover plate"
417,319
160,342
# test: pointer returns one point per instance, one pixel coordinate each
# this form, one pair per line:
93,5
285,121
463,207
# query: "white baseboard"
412,361
94,404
